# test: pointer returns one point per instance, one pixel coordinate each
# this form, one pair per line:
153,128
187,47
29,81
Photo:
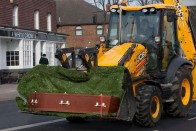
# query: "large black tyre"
75,119
148,105
182,94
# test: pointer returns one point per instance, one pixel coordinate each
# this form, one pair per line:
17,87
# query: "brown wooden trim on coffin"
73,103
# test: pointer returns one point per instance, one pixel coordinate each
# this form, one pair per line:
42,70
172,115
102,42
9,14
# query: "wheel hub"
155,107
185,92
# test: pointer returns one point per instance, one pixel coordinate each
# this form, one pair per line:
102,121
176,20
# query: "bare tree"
101,3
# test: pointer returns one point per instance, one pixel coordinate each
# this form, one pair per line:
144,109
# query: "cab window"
168,41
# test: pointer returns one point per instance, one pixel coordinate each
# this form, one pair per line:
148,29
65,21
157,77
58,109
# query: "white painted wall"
0,54
43,47
37,52
3,53
18,45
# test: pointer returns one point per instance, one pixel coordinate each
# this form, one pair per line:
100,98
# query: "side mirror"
170,16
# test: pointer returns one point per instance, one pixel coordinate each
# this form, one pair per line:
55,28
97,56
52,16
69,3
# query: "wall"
88,39
3,53
26,12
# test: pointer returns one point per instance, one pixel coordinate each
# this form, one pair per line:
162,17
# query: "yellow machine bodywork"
185,36
134,64
139,60
112,57
160,67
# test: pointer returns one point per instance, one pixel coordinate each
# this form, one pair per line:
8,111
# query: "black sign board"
32,35
24,35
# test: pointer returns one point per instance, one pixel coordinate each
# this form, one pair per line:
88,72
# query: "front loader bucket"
60,90
73,103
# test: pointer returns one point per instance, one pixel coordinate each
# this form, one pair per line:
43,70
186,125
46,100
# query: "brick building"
82,21
27,30
26,10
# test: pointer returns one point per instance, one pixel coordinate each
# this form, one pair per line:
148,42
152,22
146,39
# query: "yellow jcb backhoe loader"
156,45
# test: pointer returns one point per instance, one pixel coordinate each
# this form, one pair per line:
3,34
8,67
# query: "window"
99,30
49,22
78,30
168,42
49,53
36,20
27,53
12,58
15,16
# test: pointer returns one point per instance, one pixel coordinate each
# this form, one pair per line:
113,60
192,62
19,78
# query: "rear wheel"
182,94
148,105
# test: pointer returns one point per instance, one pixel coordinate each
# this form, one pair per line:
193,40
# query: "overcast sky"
189,2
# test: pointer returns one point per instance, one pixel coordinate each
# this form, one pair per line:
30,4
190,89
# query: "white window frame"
12,58
36,19
15,16
27,53
50,53
78,30
49,22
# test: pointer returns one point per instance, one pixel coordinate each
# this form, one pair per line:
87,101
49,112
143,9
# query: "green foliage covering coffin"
56,79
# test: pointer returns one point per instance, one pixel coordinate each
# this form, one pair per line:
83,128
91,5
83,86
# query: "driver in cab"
145,29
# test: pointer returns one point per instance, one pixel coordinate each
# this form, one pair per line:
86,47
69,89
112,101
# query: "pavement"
8,92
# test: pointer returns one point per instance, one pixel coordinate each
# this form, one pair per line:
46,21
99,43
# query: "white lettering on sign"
23,35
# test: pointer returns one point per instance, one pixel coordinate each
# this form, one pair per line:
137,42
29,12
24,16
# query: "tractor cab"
153,26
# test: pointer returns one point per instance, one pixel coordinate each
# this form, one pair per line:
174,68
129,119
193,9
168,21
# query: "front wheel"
182,94
148,105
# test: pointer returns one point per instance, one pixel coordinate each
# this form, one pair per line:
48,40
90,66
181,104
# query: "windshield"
137,27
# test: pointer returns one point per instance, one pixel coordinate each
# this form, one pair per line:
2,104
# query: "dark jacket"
44,61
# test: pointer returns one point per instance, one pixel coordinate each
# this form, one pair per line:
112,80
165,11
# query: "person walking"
43,60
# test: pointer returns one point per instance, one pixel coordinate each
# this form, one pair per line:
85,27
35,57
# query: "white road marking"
194,118
33,125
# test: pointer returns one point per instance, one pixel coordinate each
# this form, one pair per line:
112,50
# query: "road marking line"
192,119
33,125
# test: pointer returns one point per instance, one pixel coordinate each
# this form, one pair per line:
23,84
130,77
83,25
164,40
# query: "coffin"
73,103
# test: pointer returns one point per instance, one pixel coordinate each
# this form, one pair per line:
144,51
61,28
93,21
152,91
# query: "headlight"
147,10
152,10
113,10
144,10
